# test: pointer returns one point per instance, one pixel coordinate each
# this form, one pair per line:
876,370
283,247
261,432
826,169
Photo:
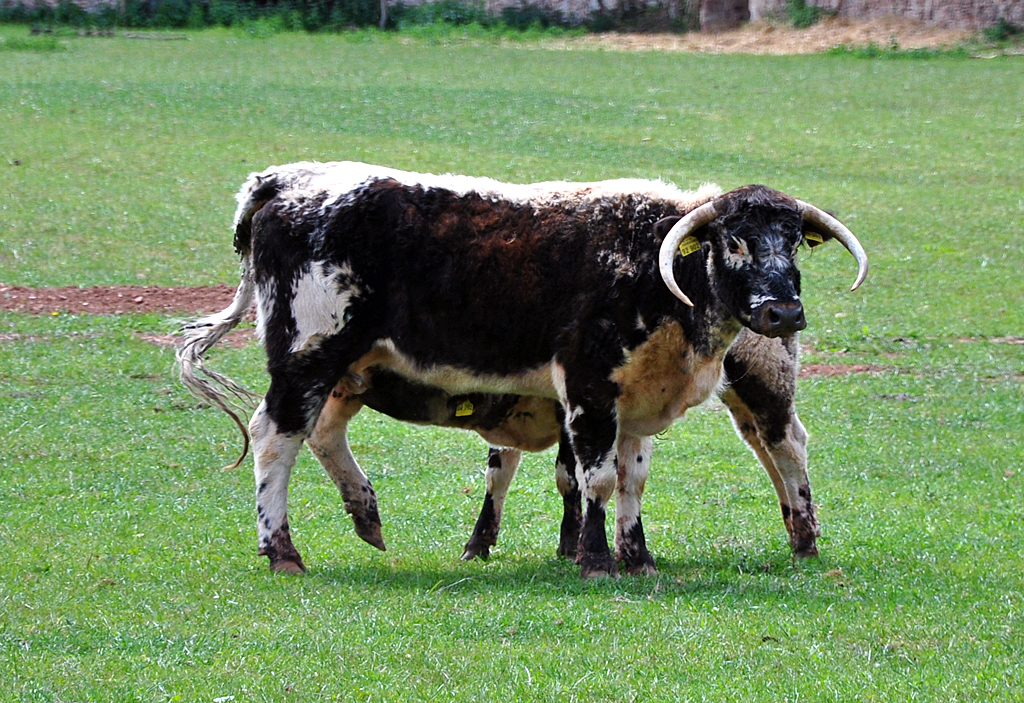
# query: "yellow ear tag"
689,245
813,239
464,409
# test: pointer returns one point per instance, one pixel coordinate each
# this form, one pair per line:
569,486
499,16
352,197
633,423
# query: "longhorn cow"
618,299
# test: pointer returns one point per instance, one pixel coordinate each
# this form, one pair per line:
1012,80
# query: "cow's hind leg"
329,443
634,458
274,454
280,425
502,463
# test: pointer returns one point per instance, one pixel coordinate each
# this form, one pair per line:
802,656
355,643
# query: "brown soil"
764,37
827,370
114,300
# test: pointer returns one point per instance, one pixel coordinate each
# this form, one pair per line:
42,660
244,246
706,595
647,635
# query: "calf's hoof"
803,541
568,550
806,552
369,532
365,518
643,569
475,549
284,557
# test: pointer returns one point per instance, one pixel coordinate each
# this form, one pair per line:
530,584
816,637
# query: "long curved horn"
690,223
838,230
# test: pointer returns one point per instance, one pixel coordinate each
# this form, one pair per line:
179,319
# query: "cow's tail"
196,338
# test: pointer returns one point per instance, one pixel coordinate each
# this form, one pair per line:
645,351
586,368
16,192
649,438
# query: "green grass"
130,570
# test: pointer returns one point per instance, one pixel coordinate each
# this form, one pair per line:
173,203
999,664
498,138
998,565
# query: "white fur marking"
339,179
318,306
774,255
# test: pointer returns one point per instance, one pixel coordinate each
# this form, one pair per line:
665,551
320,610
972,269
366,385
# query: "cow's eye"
737,247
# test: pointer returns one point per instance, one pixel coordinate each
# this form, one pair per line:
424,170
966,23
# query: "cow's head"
753,233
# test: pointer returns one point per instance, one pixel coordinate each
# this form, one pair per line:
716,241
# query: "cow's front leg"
592,431
634,458
569,489
789,456
501,468
329,443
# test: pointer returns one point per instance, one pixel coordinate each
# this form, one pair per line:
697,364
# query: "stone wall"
953,14
724,14
716,15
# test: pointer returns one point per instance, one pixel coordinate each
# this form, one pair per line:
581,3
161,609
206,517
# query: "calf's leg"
274,455
592,430
760,396
501,468
299,388
569,489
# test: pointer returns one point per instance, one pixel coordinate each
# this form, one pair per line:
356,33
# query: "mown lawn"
130,570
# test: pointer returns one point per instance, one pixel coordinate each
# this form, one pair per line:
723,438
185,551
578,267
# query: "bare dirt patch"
829,370
234,338
115,300
763,37
993,340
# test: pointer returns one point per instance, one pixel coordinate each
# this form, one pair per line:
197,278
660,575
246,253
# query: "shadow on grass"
760,576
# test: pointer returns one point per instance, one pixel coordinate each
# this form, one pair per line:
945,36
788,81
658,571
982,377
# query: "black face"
754,242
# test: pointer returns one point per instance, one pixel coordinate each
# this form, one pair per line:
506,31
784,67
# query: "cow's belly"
535,381
532,426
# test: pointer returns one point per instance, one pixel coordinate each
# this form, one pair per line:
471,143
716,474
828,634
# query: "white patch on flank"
317,305
264,307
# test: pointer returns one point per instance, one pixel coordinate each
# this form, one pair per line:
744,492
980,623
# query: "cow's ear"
662,226
813,237
665,224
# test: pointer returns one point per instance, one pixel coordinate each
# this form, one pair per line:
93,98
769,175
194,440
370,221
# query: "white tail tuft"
207,385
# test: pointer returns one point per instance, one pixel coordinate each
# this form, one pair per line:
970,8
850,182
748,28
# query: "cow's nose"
777,319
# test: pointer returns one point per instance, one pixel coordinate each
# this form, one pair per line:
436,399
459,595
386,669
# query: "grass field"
130,571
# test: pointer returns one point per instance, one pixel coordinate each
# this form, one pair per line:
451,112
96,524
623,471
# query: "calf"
758,387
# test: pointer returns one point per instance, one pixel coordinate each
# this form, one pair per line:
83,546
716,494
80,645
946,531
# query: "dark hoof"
369,532
476,550
641,569
597,566
806,552
284,557
288,566
568,551
804,544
